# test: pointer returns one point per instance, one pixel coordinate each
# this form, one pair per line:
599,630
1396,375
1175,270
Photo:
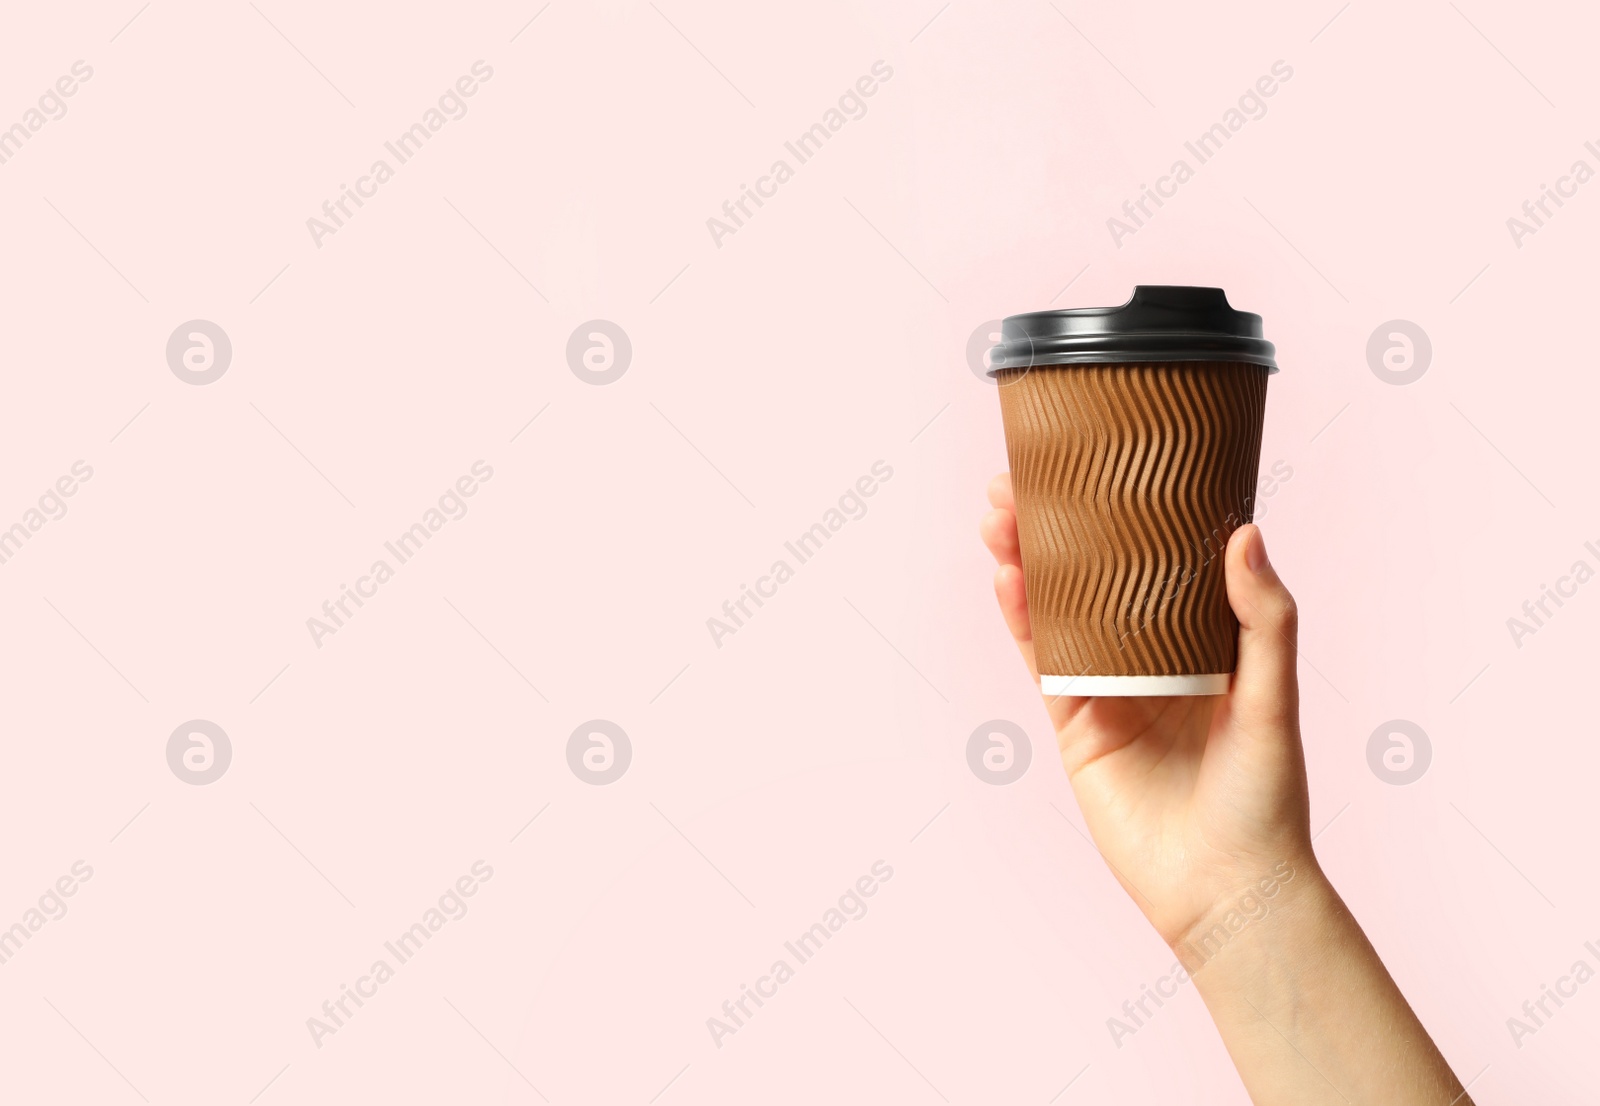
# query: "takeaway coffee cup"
1133,434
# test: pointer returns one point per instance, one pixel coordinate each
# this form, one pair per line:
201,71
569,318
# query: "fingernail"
1255,551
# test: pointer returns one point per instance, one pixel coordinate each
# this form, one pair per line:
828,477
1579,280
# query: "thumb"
1265,683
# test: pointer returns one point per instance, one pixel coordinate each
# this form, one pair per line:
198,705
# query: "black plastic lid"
1162,322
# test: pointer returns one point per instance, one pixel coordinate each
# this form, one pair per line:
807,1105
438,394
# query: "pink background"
768,374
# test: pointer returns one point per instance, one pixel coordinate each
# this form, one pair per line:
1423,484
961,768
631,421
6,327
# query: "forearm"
1308,1011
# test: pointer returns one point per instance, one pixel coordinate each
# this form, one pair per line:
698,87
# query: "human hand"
1192,800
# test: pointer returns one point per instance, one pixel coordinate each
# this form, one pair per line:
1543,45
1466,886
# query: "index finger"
1000,496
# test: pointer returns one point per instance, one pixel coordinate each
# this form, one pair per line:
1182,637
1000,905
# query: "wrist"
1305,1005
1270,918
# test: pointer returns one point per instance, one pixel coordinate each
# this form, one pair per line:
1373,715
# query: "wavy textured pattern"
1129,479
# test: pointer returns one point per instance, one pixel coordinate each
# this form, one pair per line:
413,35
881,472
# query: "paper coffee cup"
1134,435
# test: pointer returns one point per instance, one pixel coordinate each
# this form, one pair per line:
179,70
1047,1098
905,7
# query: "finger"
1013,599
1000,493
999,531
1265,685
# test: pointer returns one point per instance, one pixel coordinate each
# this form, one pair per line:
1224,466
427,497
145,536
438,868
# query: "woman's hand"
1199,804
1192,800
